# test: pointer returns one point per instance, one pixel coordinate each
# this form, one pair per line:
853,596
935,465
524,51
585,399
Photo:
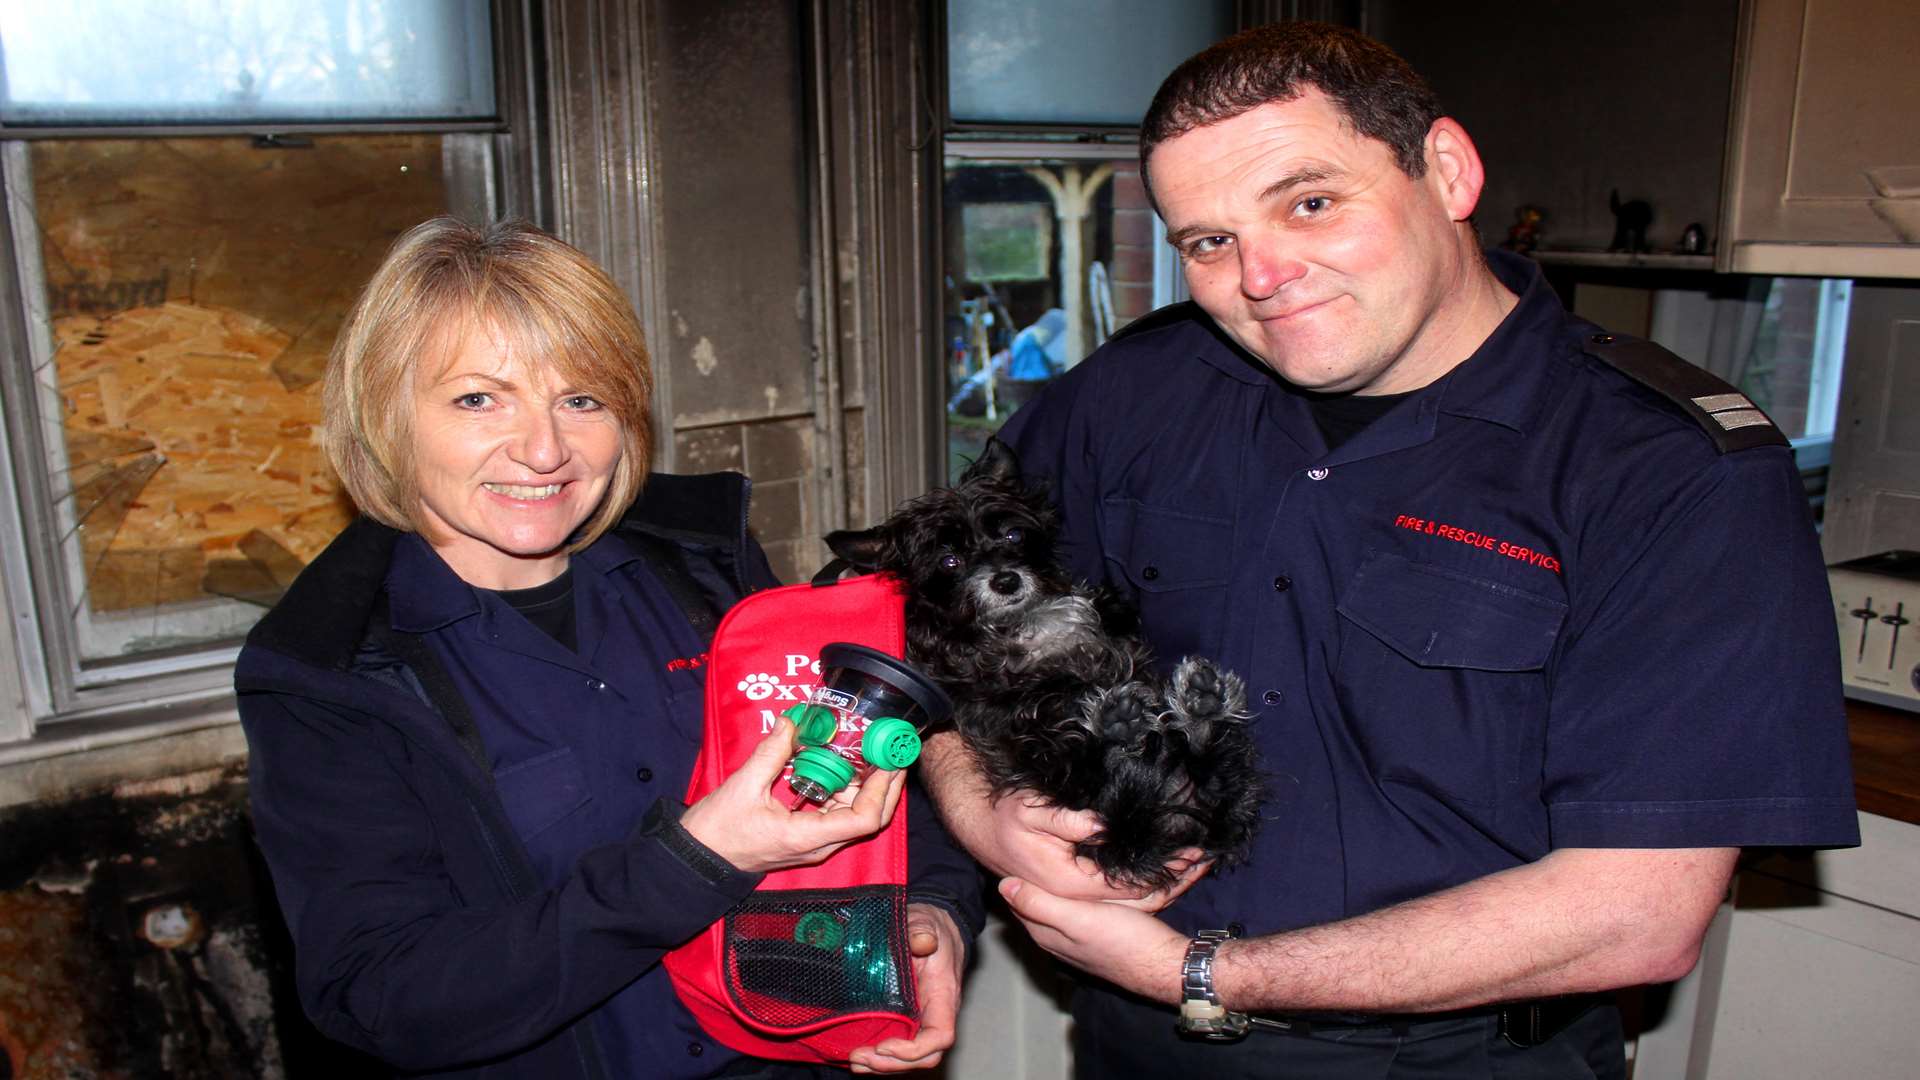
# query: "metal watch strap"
1200,1010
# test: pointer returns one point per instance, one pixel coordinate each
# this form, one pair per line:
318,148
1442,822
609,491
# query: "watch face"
1210,1021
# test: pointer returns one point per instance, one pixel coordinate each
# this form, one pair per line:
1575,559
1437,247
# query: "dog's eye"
949,561
1015,535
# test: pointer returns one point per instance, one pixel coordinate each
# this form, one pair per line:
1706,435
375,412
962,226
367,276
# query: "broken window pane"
189,291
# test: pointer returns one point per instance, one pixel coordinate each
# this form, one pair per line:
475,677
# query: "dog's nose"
1006,583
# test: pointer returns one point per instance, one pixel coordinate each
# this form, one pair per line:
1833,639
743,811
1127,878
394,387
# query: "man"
1533,618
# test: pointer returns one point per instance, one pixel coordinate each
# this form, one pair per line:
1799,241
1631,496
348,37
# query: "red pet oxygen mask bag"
813,964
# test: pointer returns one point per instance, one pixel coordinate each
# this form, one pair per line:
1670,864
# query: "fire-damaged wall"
138,938
702,103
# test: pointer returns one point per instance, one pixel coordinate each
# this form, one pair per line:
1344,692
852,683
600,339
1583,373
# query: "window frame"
49,693
1829,357
1018,143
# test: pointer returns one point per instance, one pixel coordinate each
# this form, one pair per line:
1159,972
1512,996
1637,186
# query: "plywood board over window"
193,289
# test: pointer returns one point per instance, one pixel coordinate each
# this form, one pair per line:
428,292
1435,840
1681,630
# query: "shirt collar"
425,594
1502,381
1232,360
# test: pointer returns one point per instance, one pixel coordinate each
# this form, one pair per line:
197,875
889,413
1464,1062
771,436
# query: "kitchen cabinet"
1823,93
1821,965
1813,967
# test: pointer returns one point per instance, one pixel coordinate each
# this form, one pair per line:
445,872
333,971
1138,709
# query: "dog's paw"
1202,694
1124,714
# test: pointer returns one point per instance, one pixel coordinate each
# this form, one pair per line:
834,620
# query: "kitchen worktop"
1886,760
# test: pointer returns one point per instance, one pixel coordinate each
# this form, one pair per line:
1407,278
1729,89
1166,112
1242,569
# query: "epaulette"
1728,416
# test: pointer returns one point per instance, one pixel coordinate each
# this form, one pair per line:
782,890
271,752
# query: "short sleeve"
1696,697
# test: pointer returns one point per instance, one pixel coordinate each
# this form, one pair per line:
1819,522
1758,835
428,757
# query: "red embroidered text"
1483,541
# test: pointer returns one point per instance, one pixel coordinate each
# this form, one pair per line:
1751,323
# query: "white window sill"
121,751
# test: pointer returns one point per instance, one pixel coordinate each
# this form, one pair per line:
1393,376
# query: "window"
1793,369
1069,63
1050,244
1046,257
1781,340
234,61
188,226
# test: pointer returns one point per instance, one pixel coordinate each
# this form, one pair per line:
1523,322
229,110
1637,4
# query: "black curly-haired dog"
1053,690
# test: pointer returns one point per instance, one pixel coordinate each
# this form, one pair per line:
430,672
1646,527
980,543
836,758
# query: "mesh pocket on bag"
796,958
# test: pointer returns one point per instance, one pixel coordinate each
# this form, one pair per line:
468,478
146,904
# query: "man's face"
1306,242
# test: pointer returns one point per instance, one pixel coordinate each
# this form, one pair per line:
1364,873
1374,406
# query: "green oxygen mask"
866,713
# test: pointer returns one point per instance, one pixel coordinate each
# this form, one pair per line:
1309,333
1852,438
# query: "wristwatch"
1201,1013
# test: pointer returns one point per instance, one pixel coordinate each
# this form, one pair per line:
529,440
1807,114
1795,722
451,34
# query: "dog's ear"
863,549
996,462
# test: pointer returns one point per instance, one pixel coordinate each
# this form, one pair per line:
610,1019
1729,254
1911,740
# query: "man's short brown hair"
1379,94
443,280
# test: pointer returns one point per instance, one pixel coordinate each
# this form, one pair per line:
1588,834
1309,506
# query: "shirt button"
1236,929
1271,697
596,684
1151,573
1282,583
1317,474
643,774
695,1049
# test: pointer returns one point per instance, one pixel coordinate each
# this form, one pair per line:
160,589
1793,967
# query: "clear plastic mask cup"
867,712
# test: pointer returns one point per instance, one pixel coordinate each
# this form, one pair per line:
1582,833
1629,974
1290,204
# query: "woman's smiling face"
509,459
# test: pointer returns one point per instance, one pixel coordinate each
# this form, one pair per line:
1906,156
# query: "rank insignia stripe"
1740,418
1727,417
1723,402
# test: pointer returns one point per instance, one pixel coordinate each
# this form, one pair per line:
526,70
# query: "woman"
467,724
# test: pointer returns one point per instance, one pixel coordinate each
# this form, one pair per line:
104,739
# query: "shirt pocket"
1177,567
686,704
543,791
1441,677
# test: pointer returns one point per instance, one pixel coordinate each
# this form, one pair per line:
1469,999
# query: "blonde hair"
539,295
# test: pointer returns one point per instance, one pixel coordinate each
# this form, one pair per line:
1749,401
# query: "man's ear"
1454,168
863,550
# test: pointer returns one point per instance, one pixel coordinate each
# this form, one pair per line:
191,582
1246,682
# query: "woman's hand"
743,823
939,958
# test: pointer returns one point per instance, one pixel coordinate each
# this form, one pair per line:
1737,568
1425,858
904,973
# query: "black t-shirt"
548,607
1342,416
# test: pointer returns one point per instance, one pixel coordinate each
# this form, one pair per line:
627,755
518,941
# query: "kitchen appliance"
1876,602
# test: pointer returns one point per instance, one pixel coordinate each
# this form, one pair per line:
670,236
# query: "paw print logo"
758,687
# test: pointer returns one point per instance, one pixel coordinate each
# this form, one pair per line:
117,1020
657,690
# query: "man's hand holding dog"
1022,836
1121,944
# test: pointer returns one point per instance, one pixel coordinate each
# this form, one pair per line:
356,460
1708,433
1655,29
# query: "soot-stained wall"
138,938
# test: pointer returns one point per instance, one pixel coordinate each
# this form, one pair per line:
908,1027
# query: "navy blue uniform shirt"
581,744
1533,606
